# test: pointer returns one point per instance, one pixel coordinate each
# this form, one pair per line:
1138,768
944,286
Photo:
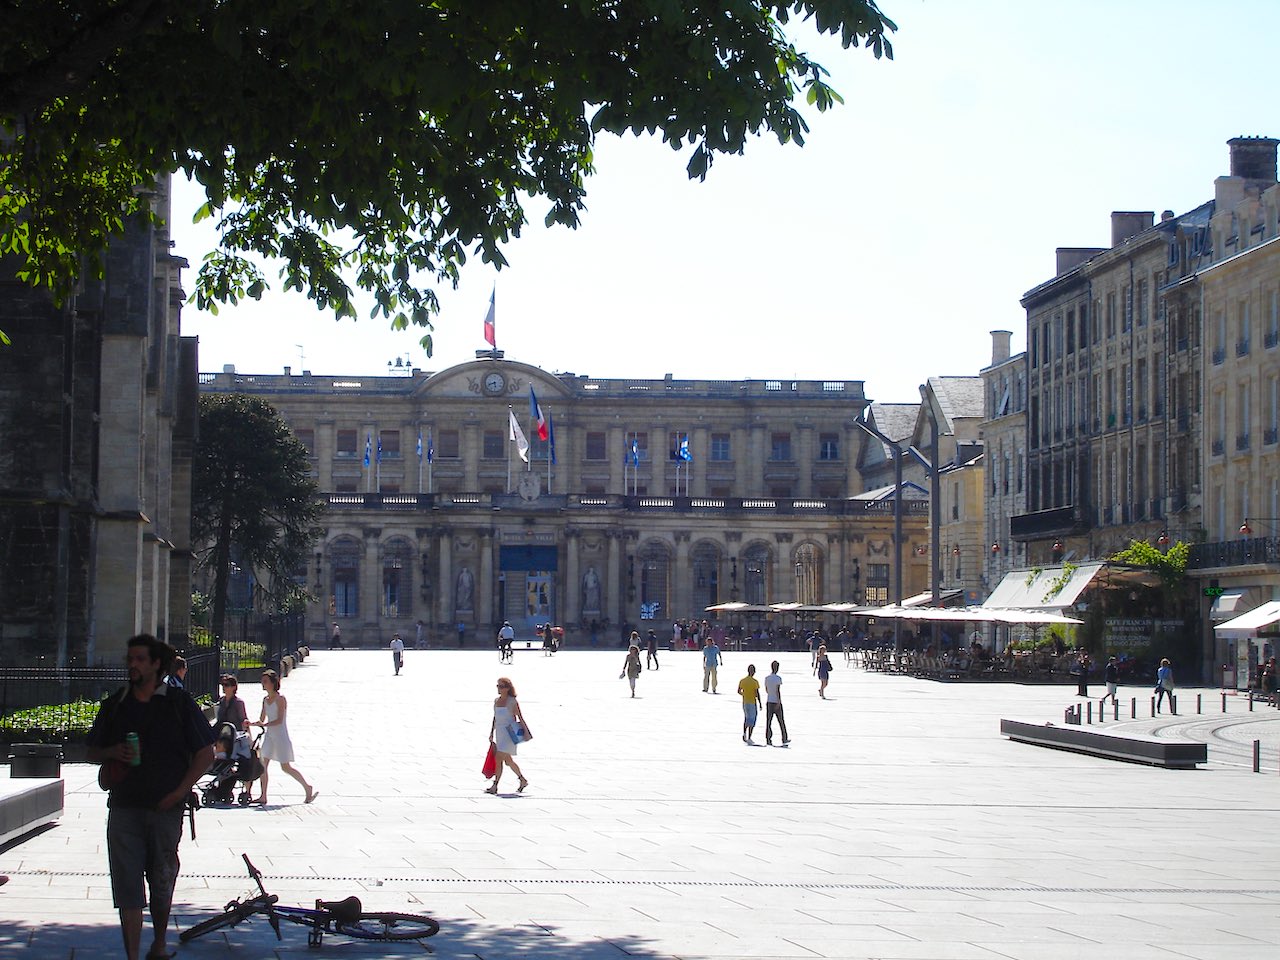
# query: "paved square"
898,824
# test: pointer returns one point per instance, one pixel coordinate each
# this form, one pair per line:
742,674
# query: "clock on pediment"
495,383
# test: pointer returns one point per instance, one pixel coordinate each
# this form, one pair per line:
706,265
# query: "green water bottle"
132,740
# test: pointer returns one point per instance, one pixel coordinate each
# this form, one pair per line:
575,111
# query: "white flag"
516,434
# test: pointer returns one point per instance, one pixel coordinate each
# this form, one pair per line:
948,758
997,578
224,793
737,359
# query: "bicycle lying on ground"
345,917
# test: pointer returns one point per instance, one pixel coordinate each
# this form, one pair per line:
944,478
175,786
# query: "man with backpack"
154,744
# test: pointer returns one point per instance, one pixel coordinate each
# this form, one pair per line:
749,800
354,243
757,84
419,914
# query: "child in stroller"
235,761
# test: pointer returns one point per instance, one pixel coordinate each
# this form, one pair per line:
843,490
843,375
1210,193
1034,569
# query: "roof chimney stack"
1129,223
1000,345
1253,158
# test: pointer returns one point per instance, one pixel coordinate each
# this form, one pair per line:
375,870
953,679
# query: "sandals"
523,783
493,789
311,795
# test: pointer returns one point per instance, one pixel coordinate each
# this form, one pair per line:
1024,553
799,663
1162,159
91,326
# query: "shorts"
749,712
143,843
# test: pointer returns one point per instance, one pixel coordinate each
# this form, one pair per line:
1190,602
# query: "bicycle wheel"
389,926
230,918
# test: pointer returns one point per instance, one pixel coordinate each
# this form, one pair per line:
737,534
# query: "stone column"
615,588
681,585
572,610
806,457
486,616
444,598
370,590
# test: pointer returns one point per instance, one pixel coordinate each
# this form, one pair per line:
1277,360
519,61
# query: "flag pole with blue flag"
419,459
431,456
683,453
368,457
377,470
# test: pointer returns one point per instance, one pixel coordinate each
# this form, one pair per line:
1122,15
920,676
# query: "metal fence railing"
49,703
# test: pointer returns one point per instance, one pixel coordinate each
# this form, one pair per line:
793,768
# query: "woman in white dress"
276,744
506,712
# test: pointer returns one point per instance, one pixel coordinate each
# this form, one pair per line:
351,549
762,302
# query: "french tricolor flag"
535,412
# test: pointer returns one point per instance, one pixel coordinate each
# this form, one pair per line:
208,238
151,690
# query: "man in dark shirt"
149,789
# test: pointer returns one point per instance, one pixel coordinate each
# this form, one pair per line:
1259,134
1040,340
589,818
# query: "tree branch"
70,64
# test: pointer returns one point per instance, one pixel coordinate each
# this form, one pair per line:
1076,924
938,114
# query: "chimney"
1166,215
228,368
1128,223
1000,345
1071,257
288,371
1253,158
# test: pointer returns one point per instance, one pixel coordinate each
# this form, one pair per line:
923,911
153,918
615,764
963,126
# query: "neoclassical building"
607,524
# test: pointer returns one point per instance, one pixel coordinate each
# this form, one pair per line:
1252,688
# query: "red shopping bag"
490,762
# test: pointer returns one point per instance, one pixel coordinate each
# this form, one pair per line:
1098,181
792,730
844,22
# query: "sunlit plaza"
898,823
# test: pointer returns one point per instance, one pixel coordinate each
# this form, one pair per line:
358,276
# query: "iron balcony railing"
1249,551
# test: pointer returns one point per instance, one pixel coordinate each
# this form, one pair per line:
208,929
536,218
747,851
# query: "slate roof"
959,398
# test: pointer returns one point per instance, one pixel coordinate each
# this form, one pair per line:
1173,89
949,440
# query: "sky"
885,250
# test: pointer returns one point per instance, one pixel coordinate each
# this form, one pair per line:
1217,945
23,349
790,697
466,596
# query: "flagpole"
419,460
431,453
510,440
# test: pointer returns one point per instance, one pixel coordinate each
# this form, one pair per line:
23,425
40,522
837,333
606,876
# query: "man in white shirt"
506,637
397,652
773,706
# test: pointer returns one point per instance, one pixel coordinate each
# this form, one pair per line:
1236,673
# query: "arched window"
808,571
344,562
654,561
755,574
707,560
397,579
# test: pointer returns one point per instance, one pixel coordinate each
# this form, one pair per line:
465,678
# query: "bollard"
1257,756
1069,716
1153,707
1116,703
1088,713
1198,696
1251,701
1224,703
1133,708
1173,703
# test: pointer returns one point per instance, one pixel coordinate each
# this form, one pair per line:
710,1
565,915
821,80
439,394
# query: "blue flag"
431,448
683,452
419,444
379,449
368,448
551,437
635,451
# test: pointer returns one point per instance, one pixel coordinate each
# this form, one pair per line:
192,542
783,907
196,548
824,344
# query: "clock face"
495,383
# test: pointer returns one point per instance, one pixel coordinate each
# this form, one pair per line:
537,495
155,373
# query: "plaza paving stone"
898,824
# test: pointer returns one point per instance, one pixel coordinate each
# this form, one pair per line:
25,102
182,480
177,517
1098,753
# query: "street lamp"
1057,550
1163,540
995,548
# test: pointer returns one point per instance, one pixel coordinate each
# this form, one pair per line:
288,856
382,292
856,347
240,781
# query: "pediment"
495,379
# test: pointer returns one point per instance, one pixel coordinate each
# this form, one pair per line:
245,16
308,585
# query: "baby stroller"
236,761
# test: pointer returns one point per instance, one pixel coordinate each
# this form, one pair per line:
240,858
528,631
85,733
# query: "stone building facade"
1004,436
615,532
97,420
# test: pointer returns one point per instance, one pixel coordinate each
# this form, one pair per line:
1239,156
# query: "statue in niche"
464,595
591,590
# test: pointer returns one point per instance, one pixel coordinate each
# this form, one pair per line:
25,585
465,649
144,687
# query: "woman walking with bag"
1164,684
822,667
276,744
507,731
631,666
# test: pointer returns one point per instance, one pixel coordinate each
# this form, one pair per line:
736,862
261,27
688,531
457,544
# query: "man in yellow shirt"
749,687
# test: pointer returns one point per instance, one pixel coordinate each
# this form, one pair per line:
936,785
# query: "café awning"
1048,588
1250,623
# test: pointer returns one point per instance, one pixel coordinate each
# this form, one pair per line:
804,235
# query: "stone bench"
26,804
1131,747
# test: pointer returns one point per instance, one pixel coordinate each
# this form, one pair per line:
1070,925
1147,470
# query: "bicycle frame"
345,918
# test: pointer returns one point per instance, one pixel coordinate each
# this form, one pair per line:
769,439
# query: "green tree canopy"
385,141
252,496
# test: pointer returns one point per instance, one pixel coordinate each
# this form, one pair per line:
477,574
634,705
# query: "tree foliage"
385,141
253,498
1169,565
